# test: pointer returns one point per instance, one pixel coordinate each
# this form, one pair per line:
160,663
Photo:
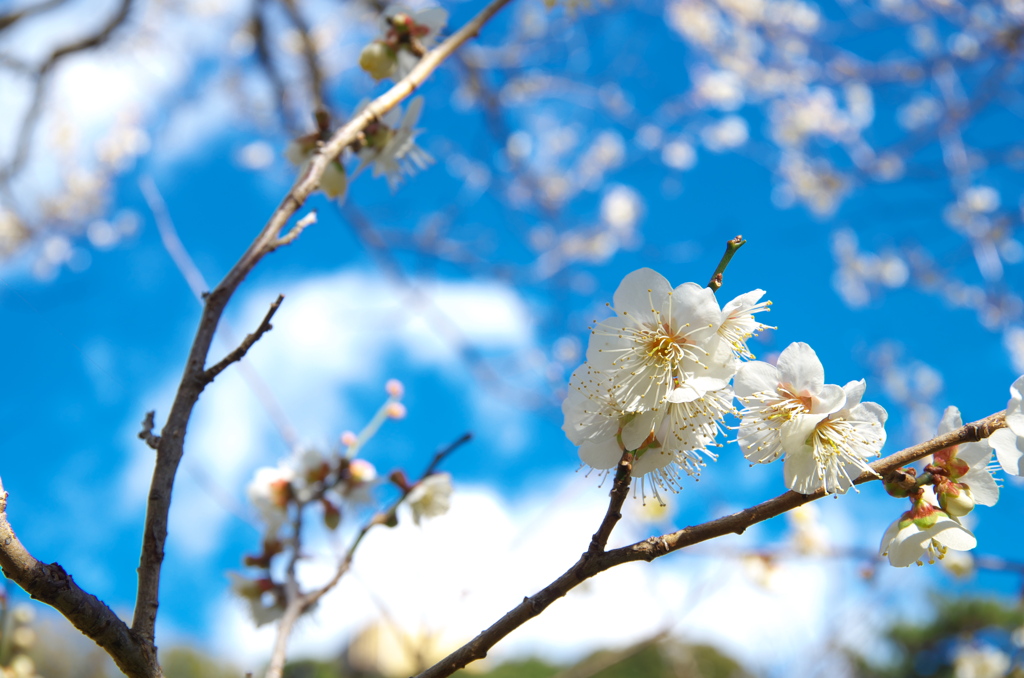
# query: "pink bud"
348,439
395,388
396,410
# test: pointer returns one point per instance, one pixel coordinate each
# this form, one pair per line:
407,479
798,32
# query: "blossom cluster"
663,372
657,377
957,479
824,432
388,144
310,477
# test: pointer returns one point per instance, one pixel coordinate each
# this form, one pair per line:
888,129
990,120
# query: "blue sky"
102,340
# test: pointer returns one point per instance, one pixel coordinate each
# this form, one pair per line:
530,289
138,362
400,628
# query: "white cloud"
332,333
474,564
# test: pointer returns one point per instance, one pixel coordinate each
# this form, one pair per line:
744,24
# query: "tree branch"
589,565
172,437
298,603
247,343
50,584
42,76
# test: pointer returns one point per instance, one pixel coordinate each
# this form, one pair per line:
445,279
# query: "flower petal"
952,534
830,398
642,294
800,368
797,431
951,420
907,546
984,489
1009,450
800,470
755,377
601,455
637,429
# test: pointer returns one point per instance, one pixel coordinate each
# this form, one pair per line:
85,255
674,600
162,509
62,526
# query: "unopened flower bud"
394,388
361,471
399,479
396,410
348,439
955,499
334,181
332,515
378,60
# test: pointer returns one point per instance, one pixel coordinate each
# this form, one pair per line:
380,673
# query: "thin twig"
298,603
169,237
444,453
185,264
294,602
589,565
17,15
247,343
42,76
296,230
620,490
258,26
730,250
146,433
309,53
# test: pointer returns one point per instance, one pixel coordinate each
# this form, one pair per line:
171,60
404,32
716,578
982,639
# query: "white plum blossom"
982,661
425,25
390,145
1008,442
828,453
928,533
308,467
431,497
981,485
269,492
593,418
773,395
824,431
260,596
407,36
334,180
657,377
738,323
659,340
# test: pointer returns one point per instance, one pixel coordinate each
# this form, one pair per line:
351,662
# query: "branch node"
289,237
146,433
210,374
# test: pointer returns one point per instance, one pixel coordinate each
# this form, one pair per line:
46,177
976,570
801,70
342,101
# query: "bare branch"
55,587
247,343
309,53
444,453
147,430
42,77
298,604
620,490
300,226
194,379
589,564
9,19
